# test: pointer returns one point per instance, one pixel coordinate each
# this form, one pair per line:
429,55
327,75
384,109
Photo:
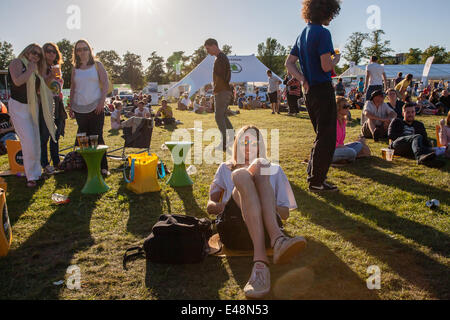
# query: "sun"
137,6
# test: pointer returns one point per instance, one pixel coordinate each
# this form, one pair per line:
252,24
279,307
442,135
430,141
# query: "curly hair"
319,11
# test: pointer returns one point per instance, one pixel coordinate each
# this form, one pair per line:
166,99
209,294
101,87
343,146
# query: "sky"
165,26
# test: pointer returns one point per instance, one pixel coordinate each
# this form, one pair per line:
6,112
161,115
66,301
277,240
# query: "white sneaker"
286,248
49,169
258,285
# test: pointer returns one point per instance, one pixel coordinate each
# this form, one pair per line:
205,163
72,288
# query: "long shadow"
410,264
29,271
144,210
201,281
309,277
428,236
22,199
369,170
190,204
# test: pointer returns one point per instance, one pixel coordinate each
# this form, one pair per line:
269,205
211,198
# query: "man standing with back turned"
314,49
222,89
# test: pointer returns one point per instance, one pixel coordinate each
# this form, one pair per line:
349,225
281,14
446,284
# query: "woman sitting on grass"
254,192
116,115
344,153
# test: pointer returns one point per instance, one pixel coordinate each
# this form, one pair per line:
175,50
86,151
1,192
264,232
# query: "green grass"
378,218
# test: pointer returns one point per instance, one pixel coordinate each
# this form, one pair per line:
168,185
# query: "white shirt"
280,184
87,90
186,102
376,74
273,84
115,116
142,113
382,112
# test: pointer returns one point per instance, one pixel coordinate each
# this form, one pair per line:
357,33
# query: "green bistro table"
93,157
179,150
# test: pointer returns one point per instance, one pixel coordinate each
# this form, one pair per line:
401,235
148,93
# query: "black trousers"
293,103
322,109
92,124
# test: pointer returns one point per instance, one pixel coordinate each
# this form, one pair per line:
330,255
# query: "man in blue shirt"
314,50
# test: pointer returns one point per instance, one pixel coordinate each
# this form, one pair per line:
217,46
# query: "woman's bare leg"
267,198
246,196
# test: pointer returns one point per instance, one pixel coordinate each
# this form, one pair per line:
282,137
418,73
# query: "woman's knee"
241,177
258,168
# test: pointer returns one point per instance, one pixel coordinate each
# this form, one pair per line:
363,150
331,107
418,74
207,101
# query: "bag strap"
129,257
163,171
131,171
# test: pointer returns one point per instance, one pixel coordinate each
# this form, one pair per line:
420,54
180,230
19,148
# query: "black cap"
376,94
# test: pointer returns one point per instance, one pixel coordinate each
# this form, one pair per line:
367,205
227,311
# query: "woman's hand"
100,108
215,208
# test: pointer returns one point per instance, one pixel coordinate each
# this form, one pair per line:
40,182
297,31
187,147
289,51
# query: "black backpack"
175,239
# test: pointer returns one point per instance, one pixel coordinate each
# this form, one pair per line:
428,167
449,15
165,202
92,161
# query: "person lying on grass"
257,193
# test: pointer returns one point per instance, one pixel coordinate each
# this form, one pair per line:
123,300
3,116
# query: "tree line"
129,68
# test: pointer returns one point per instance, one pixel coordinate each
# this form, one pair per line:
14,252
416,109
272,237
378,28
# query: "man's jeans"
221,103
409,146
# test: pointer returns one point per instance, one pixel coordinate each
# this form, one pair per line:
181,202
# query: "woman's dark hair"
319,11
58,58
409,76
76,61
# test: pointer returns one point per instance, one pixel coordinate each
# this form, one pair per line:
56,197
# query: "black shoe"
435,163
376,135
273,112
325,187
425,158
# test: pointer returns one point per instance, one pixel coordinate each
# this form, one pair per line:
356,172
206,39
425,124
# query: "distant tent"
243,69
437,72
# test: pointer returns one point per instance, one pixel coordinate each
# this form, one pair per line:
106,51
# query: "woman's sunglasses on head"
247,142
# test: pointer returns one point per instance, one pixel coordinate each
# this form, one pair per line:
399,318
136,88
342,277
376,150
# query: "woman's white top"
87,90
280,184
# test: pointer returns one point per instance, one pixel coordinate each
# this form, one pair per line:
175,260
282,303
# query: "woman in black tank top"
20,110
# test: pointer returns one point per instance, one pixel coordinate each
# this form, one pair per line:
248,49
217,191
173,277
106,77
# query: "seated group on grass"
202,104
251,196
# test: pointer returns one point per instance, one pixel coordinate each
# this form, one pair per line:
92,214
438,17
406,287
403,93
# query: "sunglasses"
35,53
50,51
346,106
85,49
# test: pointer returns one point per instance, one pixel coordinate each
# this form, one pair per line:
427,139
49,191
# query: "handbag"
175,239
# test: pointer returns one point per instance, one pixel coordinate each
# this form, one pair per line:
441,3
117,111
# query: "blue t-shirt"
314,42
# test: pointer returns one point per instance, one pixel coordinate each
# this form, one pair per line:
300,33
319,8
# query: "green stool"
95,183
179,177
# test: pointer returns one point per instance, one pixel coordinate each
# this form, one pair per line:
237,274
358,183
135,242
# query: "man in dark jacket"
409,138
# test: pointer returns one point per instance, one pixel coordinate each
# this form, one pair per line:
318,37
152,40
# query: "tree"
378,47
66,48
177,59
414,56
439,53
112,63
226,49
132,71
354,50
196,58
6,54
155,71
272,55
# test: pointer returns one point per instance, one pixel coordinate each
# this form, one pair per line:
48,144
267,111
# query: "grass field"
378,218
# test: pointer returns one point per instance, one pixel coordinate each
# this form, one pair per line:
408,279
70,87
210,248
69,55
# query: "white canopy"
437,72
243,69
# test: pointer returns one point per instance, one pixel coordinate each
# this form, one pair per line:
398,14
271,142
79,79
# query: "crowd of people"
241,187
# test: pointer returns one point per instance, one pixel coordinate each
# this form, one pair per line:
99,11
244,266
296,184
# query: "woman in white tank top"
88,91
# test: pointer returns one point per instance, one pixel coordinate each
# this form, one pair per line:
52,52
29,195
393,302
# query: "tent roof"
437,72
243,69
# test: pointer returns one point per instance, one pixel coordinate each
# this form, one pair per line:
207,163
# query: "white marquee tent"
243,69
437,72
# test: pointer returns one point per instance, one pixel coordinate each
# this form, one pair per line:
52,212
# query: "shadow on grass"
410,264
191,207
29,271
370,170
22,199
316,274
201,281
